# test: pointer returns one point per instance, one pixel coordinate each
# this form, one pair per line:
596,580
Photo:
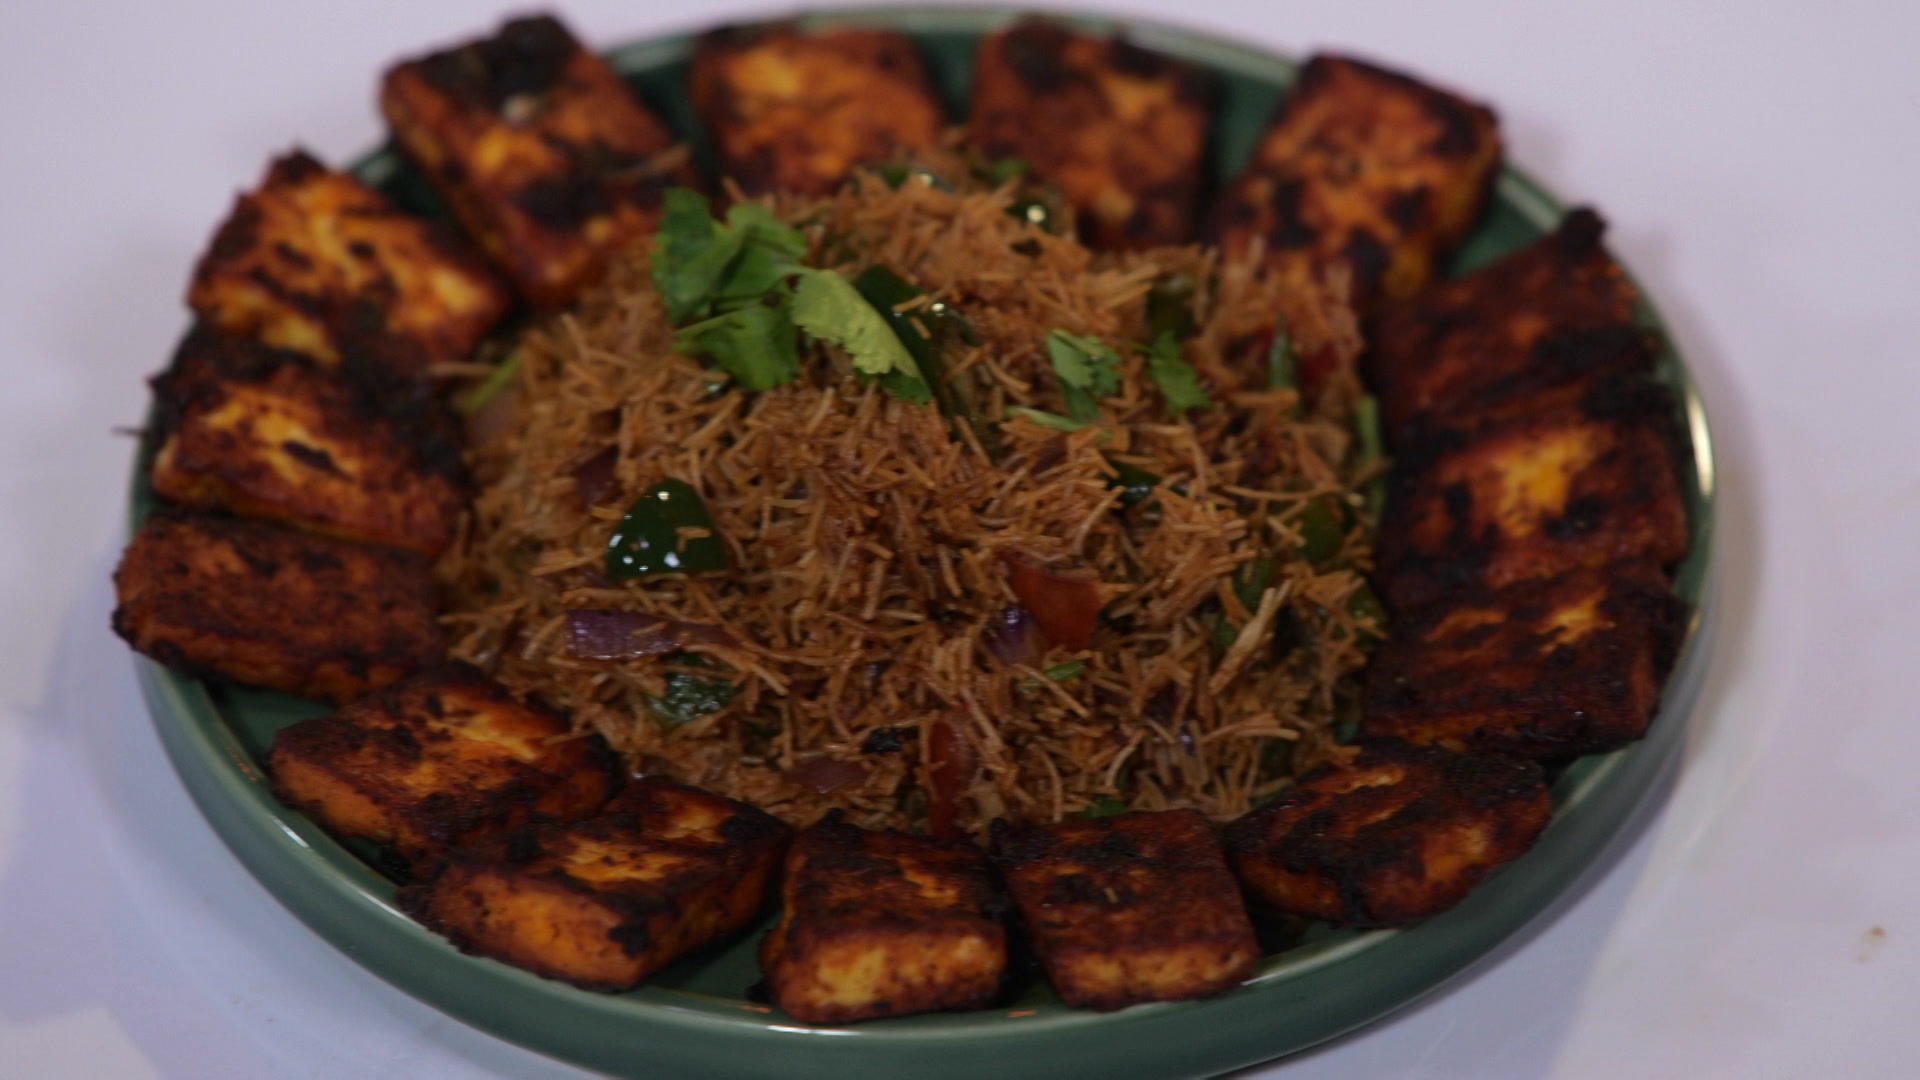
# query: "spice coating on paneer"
1535,496
606,902
546,157
883,924
1548,669
263,433
795,112
320,263
1366,171
1121,130
1391,835
1132,908
437,760
310,615
1550,318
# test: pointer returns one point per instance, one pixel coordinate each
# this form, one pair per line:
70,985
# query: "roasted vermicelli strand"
1022,598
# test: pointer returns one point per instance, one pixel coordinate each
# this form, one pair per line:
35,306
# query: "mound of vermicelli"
874,654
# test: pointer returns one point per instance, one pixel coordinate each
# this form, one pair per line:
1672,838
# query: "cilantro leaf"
1046,419
1084,362
1087,367
1178,382
757,345
828,307
690,253
760,226
703,267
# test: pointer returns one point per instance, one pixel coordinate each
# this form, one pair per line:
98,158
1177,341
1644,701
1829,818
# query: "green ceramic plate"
695,1019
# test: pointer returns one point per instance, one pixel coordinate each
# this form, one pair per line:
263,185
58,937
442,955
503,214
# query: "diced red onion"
593,478
594,634
1015,637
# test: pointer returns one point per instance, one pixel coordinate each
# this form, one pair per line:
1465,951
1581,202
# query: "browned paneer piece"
1544,669
606,902
795,111
1137,907
264,433
546,157
1366,170
1120,130
883,924
256,604
437,760
1544,322
1390,835
320,263
1535,496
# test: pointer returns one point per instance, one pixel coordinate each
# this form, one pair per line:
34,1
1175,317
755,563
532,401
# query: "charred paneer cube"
1363,169
606,902
546,157
1553,317
796,111
313,616
320,263
1120,130
1534,496
1544,669
264,433
1132,908
1390,835
883,924
439,759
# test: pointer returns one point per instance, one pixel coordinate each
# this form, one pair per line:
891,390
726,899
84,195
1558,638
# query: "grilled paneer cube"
1363,169
544,154
318,262
1547,669
1138,907
265,434
606,902
883,924
1120,130
310,615
1552,317
1393,835
1535,496
439,759
796,111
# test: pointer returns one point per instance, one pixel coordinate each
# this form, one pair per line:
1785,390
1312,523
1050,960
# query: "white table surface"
1762,920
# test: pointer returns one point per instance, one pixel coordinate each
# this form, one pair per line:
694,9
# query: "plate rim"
347,910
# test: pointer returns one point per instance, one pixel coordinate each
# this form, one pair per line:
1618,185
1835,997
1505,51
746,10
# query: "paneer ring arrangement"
311,471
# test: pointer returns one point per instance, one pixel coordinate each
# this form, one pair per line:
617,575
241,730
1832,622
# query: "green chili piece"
1323,530
649,540
1283,369
492,386
1135,483
1063,672
1276,757
1170,308
688,698
1105,806
1365,606
1366,421
1036,212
